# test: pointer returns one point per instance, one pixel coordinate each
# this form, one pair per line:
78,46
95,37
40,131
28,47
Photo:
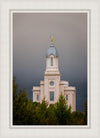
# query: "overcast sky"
31,39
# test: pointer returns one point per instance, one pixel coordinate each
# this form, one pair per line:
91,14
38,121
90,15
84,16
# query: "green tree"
22,107
52,119
78,118
26,112
41,113
63,113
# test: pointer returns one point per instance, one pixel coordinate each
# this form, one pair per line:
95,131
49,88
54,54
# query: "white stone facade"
52,86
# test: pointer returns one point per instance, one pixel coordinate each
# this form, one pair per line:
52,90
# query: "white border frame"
88,69
5,6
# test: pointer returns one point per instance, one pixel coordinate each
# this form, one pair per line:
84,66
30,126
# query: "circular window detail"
51,83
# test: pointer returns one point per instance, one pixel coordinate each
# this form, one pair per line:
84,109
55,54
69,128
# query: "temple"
52,87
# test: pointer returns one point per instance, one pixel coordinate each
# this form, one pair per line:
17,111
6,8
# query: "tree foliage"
26,112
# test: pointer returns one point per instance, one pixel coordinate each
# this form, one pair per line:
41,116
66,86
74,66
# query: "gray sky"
31,39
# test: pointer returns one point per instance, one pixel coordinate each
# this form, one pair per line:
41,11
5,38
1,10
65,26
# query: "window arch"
51,61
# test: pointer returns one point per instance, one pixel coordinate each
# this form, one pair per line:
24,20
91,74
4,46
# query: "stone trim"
51,74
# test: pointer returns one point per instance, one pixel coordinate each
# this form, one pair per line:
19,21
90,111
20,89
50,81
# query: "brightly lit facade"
52,86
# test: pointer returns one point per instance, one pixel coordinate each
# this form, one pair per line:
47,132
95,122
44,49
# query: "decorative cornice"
36,88
69,89
51,74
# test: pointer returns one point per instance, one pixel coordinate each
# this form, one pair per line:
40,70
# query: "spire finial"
51,39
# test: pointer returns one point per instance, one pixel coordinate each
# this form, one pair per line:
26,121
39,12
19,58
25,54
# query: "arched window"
37,97
51,96
66,97
51,61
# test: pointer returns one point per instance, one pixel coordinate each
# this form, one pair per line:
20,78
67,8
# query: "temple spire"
51,39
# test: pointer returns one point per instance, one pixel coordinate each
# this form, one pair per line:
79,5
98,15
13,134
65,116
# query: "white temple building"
52,87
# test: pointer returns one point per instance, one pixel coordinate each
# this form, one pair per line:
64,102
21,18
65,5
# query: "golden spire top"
51,39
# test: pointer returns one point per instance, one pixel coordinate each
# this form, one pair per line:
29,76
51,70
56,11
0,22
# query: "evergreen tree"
25,112
63,114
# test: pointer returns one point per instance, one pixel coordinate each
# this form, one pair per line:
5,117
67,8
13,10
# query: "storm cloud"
31,39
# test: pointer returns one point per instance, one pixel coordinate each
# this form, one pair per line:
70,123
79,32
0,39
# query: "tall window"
51,61
66,97
51,96
37,97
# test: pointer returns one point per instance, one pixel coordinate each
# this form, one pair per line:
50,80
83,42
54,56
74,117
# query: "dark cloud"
31,39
